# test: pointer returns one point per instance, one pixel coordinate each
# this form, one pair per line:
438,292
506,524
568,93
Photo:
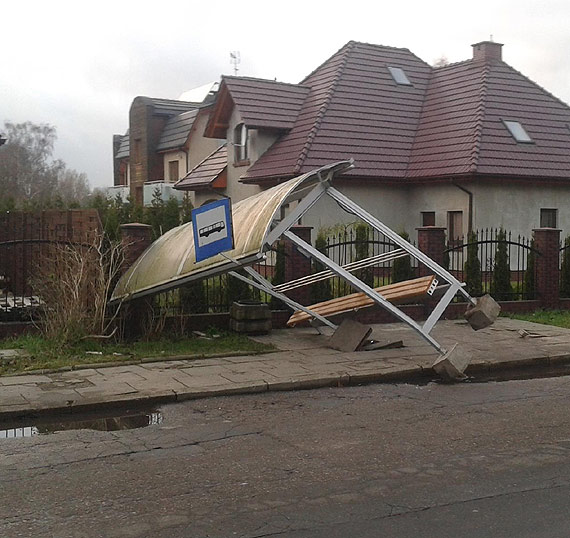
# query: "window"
399,76
240,143
428,218
517,132
173,171
548,218
454,226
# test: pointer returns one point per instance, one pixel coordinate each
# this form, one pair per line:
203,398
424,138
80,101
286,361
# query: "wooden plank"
398,292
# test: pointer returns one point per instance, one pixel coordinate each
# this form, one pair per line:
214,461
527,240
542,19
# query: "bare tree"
29,174
442,61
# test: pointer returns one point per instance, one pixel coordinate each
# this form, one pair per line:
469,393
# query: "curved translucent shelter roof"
171,261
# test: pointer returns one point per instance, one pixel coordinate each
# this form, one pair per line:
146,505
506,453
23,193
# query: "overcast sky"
78,65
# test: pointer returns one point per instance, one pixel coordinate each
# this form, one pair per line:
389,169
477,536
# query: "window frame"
453,237
240,143
399,76
170,167
518,132
430,214
546,214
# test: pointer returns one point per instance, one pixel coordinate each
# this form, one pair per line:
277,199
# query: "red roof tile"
265,103
354,109
204,174
448,122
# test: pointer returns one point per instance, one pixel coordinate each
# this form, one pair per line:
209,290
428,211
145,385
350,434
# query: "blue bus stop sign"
212,226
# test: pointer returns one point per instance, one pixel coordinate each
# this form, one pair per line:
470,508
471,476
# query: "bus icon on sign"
212,228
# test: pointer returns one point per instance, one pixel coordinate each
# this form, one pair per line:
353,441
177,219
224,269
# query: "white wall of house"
516,206
257,144
388,204
200,146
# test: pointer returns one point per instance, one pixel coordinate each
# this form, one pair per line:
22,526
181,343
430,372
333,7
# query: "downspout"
470,210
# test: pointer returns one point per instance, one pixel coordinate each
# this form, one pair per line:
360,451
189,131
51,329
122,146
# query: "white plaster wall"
516,207
236,190
389,204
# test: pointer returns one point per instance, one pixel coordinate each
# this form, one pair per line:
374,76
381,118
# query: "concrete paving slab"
303,361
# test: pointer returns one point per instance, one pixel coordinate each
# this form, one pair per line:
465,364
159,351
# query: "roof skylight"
517,131
399,76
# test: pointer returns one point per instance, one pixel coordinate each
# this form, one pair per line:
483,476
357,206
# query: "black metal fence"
356,242
496,262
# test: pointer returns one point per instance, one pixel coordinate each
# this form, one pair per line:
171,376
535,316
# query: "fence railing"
496,262
355,243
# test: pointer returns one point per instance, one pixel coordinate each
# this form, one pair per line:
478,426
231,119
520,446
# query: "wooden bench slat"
400,291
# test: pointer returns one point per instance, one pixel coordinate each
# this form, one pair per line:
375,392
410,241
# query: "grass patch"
45,354
558,318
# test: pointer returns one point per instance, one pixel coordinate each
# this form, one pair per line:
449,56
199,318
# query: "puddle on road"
113,421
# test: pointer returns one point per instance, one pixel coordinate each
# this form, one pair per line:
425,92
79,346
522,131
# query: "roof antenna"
235,59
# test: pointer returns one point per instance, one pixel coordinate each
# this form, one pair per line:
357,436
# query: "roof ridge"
542,88
323,108
420,117
480,114
260,79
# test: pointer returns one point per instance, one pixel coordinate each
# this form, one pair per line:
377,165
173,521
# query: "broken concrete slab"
349,336
482,314
451,365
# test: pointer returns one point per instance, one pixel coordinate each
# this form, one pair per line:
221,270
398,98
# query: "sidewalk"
303,361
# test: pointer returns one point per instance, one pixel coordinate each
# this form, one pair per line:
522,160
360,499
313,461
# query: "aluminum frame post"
362,287
351,207
261,284
306,203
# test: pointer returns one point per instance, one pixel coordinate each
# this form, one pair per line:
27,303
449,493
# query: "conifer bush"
472,268
565,270
402,267
320,291
501,288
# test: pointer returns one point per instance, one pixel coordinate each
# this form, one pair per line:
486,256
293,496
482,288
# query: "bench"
395,293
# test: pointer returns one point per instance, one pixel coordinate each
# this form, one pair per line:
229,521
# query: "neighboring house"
467,145
164,141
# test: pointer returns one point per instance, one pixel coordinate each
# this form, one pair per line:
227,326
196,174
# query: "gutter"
470,210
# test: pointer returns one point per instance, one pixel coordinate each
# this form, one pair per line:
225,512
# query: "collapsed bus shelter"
258,222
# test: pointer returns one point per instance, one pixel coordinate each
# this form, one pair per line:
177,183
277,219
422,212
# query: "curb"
415,373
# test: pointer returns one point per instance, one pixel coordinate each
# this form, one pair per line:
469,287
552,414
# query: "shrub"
320,291
472,267
74,283
362,247
402,268
529,274
501,288
565,270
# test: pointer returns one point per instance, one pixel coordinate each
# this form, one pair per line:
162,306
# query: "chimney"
487,51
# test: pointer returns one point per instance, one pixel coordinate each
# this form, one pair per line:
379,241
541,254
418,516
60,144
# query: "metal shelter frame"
282,229
171,260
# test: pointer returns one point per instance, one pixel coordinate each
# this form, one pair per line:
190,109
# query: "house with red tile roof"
468,145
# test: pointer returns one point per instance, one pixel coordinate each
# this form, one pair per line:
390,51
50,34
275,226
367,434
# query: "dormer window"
399,76
240,143
517,132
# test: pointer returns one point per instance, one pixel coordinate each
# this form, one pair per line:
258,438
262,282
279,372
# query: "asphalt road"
469,460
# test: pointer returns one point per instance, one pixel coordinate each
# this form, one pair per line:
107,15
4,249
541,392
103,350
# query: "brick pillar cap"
546,229
431,228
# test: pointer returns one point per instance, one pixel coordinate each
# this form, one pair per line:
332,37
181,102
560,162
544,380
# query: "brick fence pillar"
547,242
297,265
135,238
431,241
